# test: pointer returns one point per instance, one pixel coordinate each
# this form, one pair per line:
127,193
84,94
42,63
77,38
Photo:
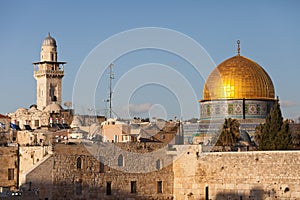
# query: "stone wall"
30,157
39,181
8,160
89,181
237,175
37,137
76,172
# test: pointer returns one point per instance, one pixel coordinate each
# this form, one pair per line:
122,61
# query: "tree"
229,133
193,120
284,140
274,134
295,136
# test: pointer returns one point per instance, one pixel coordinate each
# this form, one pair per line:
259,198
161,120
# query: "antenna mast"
111,77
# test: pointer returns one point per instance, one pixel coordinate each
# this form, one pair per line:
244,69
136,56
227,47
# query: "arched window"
120,160
158,164
78,163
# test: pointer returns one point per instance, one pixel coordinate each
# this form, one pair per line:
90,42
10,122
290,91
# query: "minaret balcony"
49,72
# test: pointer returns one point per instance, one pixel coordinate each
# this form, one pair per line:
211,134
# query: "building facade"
73,172
9,174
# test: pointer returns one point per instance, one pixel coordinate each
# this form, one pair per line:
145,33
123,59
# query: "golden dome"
237,78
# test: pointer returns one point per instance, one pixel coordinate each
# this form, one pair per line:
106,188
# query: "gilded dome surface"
237,78
49,41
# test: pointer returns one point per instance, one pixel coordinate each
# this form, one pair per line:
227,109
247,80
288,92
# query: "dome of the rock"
238,78
237,88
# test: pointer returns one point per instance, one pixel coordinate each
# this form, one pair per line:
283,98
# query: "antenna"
111,77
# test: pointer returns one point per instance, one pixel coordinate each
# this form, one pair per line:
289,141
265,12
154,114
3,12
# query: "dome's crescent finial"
239,49
49,34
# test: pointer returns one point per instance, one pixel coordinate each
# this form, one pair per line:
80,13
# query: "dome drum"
235,108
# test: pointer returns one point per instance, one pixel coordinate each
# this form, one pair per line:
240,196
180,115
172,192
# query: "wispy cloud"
134,109
139,108
288,103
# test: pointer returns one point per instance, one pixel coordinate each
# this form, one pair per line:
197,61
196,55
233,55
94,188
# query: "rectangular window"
206,193
11,174
36,123
78,188
159,186
108,188
78,164
101,167
133,186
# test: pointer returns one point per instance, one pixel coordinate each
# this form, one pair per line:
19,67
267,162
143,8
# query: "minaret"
48,74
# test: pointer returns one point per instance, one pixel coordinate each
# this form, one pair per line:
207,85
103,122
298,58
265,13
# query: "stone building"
237,88
33,117
75,172
9,163
4,130
38,137
4,123
115,131
48,73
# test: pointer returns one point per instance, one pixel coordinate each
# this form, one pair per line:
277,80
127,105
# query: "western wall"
237,175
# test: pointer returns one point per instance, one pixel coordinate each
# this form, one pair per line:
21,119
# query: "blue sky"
269,32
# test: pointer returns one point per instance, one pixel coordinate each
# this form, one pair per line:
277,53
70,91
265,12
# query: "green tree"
274,134
295,137
229,133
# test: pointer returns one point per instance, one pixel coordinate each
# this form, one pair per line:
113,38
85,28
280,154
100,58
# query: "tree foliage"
275,133
229,133
193,120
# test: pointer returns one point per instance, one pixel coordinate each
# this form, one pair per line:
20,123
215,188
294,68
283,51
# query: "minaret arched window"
121,160
51,91
79,163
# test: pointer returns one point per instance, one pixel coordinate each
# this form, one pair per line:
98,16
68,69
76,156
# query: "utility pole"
111,77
